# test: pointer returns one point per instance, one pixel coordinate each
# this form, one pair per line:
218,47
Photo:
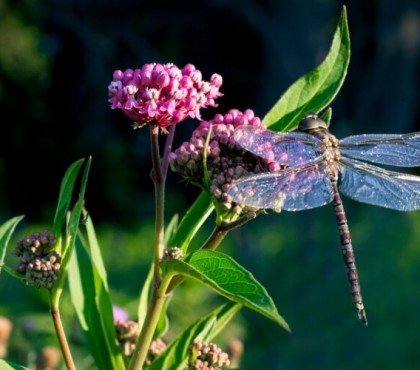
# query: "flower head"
226,160
162,94
38,263
127,334
207,356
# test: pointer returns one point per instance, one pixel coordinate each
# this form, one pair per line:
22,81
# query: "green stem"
58,325
159,181
149,325
158,298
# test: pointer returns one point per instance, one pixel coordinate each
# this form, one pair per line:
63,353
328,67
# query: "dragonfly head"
310,122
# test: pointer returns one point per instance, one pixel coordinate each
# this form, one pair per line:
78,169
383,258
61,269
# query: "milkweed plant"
156,98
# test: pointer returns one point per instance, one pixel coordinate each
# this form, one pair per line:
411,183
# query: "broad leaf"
90,298
6,231
66,192
176,354
7,365
192,222
228,278
315,90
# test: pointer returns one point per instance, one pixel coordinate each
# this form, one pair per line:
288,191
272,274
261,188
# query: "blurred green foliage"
56,59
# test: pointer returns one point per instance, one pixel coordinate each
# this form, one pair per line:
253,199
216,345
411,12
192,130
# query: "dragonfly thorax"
310,122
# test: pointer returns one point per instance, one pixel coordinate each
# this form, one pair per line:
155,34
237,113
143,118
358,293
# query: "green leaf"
315,90
71,235
170,230
163,323
7,365
228,278
327,115
90,298
66,192
6,231
192,221
176,354
144,299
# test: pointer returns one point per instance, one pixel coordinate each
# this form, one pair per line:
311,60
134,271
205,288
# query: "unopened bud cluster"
156,348
162,94
127,334
207,356
172,253
38,263
226,160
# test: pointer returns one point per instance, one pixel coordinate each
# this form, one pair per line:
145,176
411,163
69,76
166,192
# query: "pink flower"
227,161
162,94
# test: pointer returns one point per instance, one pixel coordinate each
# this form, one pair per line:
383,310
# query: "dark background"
56,61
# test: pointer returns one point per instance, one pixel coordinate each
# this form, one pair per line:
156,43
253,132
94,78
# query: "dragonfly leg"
348,255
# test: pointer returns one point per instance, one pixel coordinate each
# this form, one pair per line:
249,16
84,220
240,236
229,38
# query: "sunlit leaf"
228,278
314,91
192,221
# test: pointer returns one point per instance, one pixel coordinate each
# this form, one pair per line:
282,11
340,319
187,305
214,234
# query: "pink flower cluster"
162,94
207,356
226,160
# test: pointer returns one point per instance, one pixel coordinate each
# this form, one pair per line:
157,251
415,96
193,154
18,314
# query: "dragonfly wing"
288,149
292,189
370,184
395,150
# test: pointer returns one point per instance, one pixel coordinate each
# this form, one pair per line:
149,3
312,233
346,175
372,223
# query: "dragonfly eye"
310,122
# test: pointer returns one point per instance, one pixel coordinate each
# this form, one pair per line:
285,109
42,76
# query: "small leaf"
66,192
327,115
176,354
228,278
170,230
6,231
7,365
163,323
315,90
192,221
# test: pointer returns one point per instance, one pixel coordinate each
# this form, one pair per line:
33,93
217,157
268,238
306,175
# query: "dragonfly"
316,166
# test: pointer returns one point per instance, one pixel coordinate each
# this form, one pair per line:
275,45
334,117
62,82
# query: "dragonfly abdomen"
348,254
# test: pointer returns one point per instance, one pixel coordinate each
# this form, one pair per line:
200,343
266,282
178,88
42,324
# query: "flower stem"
159,181
158,298
149,326
58,325
220,231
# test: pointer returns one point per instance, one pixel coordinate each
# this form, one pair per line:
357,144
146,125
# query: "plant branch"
149,325
58,325
220,231
159,181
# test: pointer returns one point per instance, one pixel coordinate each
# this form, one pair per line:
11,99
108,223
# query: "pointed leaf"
228,278
176,354
326,116
6,231
192,221
66,192
315,90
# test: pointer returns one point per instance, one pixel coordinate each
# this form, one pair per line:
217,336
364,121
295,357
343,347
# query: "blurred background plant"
56,59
